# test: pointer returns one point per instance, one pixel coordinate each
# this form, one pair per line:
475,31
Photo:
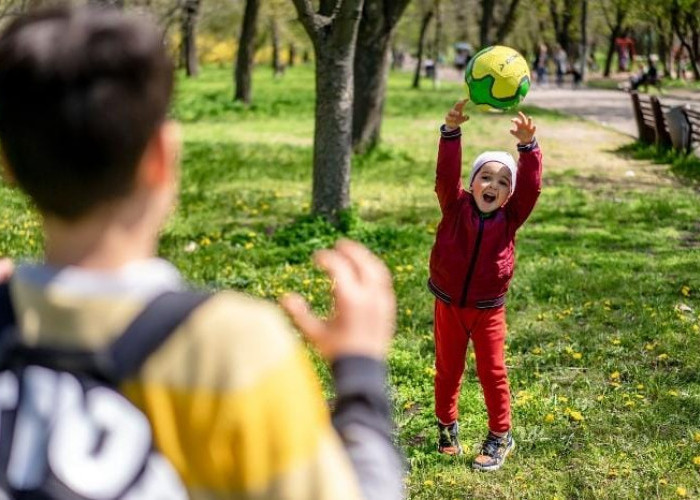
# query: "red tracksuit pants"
486,328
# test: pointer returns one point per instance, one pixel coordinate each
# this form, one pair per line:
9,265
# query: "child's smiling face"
491,186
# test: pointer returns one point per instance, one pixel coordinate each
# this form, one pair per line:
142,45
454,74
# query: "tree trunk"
333,134
292,54
334,34
372,58
277,68
584,39
437,42
189,37
485,23
508,23
611,50
246,52
421,46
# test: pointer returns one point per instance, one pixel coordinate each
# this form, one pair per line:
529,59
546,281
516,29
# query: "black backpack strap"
124,357
7,313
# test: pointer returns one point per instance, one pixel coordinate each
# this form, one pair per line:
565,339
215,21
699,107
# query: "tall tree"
615,13
685,16
246,52
333,31
371,68
497,21
584,40
277,66
425,22
190,11
563,14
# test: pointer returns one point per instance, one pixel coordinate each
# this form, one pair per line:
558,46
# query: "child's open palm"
524,128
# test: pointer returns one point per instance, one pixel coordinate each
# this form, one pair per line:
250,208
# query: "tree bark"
292,54
190,12
333,31
421,47
277,67
371,73
246,52
485,23
508,23
584,39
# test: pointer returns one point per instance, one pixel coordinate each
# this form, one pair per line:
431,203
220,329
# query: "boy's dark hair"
82,90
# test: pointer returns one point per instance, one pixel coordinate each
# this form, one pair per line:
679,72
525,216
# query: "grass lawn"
603,312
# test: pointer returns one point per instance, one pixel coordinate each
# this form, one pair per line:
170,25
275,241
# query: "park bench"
677,127
649,114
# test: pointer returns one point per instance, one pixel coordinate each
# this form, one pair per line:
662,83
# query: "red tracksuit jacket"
473,257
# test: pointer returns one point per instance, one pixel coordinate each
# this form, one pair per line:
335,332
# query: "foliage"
603,311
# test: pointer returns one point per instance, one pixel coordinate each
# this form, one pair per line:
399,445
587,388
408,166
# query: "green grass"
603,311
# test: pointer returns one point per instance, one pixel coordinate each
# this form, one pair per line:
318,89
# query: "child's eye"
504,184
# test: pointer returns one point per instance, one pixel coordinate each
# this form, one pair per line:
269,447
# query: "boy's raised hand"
362,321
455,117
524,128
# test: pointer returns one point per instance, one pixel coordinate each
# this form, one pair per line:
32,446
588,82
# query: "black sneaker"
494,451
448,439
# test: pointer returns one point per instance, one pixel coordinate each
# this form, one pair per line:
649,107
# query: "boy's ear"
160,160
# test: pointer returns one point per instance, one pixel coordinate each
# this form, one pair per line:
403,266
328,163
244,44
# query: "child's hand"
524,128
363,319
455,117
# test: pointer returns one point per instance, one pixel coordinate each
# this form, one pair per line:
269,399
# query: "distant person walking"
561,62
540,64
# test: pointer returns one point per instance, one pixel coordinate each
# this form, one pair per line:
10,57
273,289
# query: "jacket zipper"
472,264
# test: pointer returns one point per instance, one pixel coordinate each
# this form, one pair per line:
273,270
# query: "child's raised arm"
529,182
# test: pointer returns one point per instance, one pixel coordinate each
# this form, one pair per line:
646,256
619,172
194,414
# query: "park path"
611,108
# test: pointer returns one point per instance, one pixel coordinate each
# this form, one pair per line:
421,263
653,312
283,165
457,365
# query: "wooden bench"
650,116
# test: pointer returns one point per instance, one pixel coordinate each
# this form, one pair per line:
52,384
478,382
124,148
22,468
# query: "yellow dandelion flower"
681,491
576,415
408,405
306,282
696,461
650,346
672,392
600,397
685,290
408,312
472,356
615,376
409,267
662,357
615,341
429,370
696,328
205,242
696,437
549,418
428,482
563,399
640,387
663,481
630,404
536,350
577,355
249,245
399,269
612,473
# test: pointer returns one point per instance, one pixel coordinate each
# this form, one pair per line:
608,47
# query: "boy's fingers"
369,268
7,269
459,106
298,311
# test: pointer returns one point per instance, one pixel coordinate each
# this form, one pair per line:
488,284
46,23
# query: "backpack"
66,433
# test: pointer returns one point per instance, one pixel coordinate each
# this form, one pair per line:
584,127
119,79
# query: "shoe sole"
459,452
491,468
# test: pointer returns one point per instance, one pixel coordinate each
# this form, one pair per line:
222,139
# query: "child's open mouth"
489,198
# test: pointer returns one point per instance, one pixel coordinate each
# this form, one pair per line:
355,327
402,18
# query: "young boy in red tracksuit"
471,266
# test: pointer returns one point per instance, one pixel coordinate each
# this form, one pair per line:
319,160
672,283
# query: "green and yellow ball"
497,77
